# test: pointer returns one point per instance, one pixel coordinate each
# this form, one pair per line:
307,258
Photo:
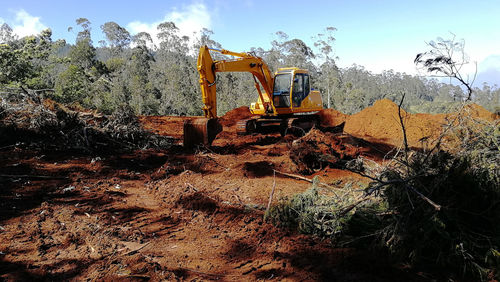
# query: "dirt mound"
234,115
317,150
331,117
476,111
381,122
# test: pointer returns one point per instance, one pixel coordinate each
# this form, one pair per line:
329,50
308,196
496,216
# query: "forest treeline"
159,77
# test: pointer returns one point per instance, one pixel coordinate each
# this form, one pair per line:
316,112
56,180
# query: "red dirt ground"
177,214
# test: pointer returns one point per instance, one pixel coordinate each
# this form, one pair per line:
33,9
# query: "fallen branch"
436,206
13,145
401,121
331,188
404,182
349,208
189,185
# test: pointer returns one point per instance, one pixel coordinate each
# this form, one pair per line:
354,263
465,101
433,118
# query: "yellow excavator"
286,99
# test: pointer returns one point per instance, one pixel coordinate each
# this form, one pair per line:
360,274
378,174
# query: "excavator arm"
245,62
204,131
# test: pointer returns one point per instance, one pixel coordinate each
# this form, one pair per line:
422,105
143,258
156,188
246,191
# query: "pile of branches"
443,204
49,125
444,212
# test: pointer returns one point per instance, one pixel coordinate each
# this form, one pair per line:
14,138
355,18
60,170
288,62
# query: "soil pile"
234,115
331,117
317,150
381,122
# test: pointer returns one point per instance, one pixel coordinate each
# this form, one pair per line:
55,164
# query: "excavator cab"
290,89
292,92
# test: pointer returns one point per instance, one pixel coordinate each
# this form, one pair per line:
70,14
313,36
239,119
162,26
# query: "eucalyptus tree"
117,37
15,66
6,34
170,40
144,98
24,62
204,37
174,73
83,54
76,82
84,34
329,79
143,39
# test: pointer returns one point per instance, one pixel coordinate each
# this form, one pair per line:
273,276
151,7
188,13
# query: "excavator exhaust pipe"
201,131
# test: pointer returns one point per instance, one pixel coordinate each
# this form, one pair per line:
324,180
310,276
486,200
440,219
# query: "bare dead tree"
446,58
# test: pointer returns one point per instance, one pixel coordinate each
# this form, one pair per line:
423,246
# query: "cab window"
281,91
306,86
300,88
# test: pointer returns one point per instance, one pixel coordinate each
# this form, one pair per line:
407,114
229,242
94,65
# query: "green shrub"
316,211
72,85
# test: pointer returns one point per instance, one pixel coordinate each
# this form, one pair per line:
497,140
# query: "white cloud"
26,24
189,19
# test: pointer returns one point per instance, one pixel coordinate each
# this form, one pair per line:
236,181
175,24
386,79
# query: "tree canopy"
163,80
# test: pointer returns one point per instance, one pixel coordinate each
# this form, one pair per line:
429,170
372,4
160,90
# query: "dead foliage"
47,124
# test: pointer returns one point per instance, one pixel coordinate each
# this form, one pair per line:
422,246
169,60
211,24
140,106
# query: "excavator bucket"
200,131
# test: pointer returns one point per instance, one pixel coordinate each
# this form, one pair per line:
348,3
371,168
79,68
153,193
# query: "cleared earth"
192,214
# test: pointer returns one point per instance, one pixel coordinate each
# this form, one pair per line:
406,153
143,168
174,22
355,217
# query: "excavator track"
246,126
297,125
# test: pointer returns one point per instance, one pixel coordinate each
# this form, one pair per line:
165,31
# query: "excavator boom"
244,63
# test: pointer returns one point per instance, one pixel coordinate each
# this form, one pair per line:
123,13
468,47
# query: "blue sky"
378,35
